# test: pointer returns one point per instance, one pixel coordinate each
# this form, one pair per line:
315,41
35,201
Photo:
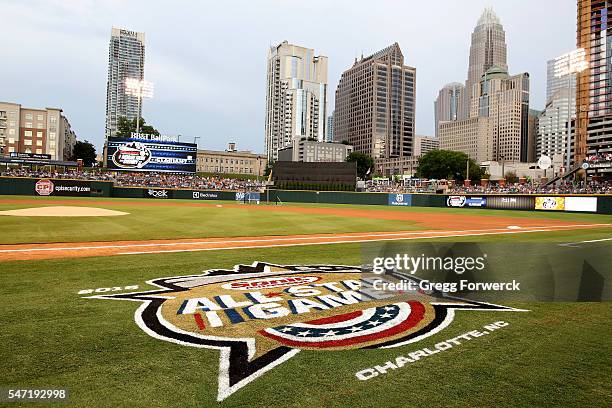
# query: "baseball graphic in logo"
260,315
550,203
132,155
44,187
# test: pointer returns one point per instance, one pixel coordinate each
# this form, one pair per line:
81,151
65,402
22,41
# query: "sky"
207,59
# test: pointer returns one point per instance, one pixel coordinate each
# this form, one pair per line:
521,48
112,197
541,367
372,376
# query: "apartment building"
37,131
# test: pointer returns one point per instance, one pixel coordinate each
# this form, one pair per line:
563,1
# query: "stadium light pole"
195,139
138,88
574,62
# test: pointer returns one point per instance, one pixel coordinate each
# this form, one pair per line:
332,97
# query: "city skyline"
195,89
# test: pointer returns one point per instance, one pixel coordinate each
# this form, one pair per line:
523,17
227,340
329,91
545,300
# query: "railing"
563,176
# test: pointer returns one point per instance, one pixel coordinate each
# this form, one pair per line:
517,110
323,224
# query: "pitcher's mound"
62,211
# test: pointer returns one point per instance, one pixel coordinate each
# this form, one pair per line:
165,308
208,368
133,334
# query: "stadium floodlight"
138,88
573,62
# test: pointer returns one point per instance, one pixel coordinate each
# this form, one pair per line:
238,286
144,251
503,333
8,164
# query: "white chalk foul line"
463,234
595,240
350,238
590,241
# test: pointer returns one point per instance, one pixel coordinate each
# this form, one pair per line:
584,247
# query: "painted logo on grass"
260,315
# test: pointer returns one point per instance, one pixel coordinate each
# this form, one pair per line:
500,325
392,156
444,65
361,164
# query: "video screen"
132,154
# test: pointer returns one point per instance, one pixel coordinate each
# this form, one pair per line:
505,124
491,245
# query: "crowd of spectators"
160,180
563,187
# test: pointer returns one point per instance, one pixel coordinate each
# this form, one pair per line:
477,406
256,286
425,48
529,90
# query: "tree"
364,162
269,167
511,177
125,127
84,151
446,164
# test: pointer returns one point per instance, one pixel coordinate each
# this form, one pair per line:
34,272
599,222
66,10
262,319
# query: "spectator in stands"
163,180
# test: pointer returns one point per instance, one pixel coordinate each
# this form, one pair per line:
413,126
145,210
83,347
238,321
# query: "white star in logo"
355,329
374,323
385,315
330,333
387,308
286,329
304,333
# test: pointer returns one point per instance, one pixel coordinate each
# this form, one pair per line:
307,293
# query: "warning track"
87,249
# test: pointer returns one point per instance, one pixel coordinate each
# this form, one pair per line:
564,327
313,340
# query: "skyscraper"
555,83
534,120
498,126
449,104
552,125
329,137
560,106
504,99
375,105
488,49
296,99
594,88
126,56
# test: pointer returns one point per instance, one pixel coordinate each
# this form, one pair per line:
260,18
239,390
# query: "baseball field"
135,302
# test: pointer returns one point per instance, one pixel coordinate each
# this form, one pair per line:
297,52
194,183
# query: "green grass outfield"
168,222
557,354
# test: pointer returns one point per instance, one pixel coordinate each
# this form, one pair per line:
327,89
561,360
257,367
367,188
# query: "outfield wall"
55,187
175,193
601,204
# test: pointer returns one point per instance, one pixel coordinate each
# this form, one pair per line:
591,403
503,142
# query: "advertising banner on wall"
550,203
476,202
466,201
510,202
205,195
157,193
581,204
455,201
400,199
136,154
20,155
46,187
